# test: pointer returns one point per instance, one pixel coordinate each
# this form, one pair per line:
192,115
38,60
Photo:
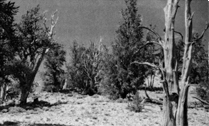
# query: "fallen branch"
151,100
201,100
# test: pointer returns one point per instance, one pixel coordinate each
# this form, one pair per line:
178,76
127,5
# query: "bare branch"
203,33
203,101
151,42
182,37
146,63
155,33
147,43
53,23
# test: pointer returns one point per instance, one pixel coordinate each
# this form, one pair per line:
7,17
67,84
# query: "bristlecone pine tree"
35,39
175,90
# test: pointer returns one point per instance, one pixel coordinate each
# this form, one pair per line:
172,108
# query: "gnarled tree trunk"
25,91
175,100
169,104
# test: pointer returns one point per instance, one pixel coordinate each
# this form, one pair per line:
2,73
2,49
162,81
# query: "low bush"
203,91
137,104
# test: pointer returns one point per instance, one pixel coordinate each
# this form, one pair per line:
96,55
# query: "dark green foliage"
199,70
203,91
199,65
12,92
122,76
75,71
31,46
7,38
54,75
7,43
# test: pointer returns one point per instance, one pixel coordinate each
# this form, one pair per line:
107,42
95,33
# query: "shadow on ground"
8,123
31,105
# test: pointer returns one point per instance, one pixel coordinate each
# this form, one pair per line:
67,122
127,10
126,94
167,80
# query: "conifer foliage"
127,77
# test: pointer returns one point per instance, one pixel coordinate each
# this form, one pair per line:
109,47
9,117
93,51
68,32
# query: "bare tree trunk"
168,116
176,96
3,92
170,11
181,116
64,84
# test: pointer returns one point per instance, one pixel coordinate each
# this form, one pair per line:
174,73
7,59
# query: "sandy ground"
78,110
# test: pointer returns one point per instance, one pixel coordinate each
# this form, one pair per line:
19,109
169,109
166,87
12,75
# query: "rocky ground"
79,110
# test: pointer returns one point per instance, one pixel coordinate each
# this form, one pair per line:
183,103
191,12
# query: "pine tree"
128,77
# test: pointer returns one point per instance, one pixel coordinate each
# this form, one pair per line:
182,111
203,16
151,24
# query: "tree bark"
181,114
24,96
27,88
170,11
3,92
176,96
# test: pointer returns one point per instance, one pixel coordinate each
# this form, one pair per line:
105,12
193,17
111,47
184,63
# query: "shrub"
137,105
203,91
12,93
84,69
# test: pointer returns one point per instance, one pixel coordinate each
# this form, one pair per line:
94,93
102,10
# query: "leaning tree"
175,87
35,39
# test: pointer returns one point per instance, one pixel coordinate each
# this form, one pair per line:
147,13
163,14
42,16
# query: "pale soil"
78,110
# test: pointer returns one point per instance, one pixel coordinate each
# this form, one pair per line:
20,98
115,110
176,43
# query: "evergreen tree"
128,77
55,75
35,39
7,41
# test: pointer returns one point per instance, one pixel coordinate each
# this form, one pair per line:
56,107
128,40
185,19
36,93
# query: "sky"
88,20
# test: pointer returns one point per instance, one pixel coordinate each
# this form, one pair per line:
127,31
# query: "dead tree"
175,90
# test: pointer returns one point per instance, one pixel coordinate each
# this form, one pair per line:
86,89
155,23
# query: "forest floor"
58,109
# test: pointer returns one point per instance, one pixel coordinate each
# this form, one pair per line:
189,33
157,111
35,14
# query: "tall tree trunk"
168,116
170,11
24,96
26,90
181,116
176,96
